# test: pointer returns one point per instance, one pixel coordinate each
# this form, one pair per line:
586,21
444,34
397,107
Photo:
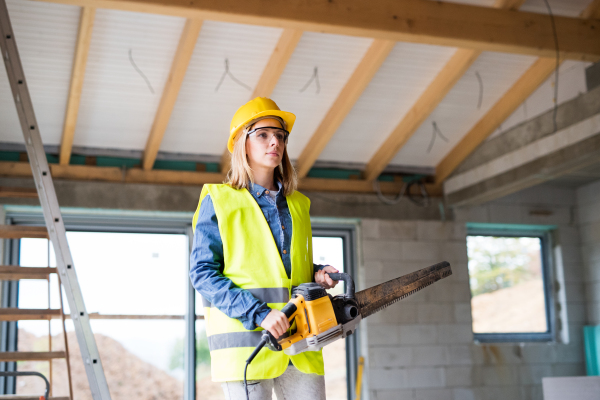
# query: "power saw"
318,318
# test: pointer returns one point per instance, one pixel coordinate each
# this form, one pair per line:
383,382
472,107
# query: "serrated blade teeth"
379,297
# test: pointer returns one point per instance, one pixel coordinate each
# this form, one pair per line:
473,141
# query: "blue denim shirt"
207,262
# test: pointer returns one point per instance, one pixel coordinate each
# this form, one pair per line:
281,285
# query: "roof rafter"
450,74
182,58
84,37
358,82
417,21
512,99
287,43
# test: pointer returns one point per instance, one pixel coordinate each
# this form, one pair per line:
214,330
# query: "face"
264,155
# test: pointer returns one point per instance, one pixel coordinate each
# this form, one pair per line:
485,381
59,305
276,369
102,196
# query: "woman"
252,244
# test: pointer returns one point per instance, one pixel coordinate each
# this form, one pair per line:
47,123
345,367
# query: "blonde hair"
240,174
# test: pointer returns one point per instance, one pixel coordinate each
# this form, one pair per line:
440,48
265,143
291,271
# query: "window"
509,276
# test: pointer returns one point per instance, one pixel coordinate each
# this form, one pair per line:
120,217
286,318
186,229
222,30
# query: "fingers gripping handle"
347,279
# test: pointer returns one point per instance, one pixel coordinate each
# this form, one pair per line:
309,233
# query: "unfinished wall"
588,201
422,348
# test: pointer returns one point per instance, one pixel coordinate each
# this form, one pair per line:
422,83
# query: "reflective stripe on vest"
252,262
267,295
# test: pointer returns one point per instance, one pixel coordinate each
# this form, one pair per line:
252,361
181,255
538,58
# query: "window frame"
544,234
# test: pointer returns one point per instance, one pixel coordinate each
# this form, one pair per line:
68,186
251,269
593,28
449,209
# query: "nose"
274,141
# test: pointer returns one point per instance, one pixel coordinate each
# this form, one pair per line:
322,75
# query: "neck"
264,178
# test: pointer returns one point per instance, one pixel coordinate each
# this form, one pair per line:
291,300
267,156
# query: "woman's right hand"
276,322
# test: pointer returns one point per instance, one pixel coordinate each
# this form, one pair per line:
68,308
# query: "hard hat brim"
288,117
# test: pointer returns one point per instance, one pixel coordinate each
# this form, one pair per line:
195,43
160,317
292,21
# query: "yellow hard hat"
259,107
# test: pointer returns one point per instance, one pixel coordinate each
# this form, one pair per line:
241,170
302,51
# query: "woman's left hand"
323,279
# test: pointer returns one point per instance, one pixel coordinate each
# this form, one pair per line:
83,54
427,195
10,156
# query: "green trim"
509,227
37,210
118,162
9,156
332,173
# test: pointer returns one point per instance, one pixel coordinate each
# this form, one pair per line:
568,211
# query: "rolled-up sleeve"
206,273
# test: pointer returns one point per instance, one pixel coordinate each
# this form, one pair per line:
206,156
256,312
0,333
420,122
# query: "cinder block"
426,252
390,357
430,356
388,378
472,214
567,235
462,313
459,376
571,369
464,393
405,394
369,228
398,313
593,316
500,375
425,377
403,230
500,393
539,353
589,193
383,335
417,334
575,273
455,251
460,354
462,292
592,292
438,230
396,268
381,250
575,292
591,257
571,255
589,213
455,334
570,353
441,292
433,394
505,213
435,313
576,312
460,270
532,374
531,392
498,354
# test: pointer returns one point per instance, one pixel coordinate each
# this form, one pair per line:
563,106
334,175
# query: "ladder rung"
19,231
11,272
31,355
20,314
24,193
28,397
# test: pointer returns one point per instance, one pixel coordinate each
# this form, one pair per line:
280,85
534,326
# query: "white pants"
292,385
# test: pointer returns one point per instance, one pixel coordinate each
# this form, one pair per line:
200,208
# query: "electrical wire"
233,78
480,101
436,132
139,71
554,114
314,77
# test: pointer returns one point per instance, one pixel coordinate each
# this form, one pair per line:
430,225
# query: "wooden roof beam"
450,74
541,70
358,82
183,55
84,38
288,41
416,21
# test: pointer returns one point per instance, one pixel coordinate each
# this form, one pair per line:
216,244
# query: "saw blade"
378,297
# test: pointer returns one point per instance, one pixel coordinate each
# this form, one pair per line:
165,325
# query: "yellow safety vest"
252,262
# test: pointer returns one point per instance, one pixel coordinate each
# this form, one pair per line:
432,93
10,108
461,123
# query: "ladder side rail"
51,210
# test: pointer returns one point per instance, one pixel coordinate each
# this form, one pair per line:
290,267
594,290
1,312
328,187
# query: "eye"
261,134
279,136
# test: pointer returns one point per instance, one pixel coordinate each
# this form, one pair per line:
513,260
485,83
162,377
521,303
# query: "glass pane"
506,284
206,389
122,276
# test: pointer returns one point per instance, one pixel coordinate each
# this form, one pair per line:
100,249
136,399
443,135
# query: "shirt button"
282,227
266,191
285,252
258,193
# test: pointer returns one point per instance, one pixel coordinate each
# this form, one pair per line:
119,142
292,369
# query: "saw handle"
341,276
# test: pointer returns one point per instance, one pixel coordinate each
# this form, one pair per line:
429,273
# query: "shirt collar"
257,190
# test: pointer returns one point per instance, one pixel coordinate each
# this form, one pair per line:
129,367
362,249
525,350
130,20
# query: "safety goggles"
265,134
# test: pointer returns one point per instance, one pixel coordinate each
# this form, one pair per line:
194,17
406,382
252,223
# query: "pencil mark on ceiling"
315,78
436,132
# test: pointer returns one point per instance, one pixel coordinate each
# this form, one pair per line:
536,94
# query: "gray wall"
423,347
588,201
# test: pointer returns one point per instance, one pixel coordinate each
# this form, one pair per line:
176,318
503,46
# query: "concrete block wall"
423,348
588,202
